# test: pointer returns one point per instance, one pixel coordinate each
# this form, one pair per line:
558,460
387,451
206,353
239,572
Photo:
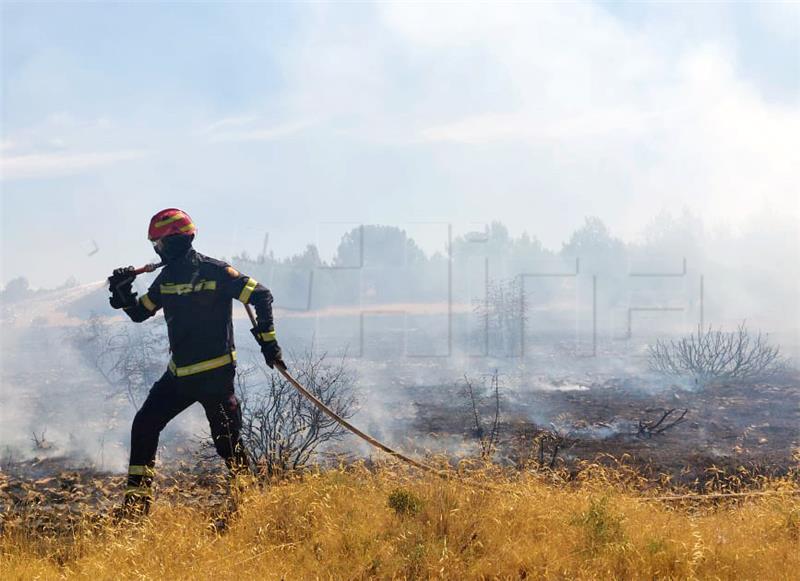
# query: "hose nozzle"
148,268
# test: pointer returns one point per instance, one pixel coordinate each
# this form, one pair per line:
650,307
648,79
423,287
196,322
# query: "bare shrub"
669,419
538,448
483,405
710,354
129,357
40,442
8,458
281,429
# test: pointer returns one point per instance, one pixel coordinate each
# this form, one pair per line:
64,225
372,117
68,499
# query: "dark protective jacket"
196,293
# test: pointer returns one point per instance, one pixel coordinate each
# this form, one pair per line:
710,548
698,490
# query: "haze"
301,121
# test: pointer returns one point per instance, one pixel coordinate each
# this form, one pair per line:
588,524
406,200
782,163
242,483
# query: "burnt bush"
281,429
713,354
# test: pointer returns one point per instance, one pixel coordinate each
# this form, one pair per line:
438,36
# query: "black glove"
269,346
120,283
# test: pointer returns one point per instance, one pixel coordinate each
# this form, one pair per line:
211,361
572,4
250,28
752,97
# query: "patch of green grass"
600,525
655,546
404,502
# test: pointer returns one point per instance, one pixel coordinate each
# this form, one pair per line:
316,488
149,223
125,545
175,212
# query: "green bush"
404,502
600,525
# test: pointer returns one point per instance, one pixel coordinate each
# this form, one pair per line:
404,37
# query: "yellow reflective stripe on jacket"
139,470
202,366
266,337
248,290
147,303
183,289
170,220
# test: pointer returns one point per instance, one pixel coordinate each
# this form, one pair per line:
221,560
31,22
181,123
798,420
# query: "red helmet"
170,222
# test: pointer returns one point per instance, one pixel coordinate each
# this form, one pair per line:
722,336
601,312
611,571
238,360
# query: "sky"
297,122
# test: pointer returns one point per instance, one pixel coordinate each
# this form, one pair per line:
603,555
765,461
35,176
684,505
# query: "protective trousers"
168,397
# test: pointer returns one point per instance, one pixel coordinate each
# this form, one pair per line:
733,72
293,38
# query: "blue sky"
302,120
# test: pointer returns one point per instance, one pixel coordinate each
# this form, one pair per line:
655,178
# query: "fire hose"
281,367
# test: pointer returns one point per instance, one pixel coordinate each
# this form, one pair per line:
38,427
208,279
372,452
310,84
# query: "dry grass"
389,524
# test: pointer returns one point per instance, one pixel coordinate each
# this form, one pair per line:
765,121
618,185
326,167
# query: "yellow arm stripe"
139,470
248,290
147,303
202,366
267,337
170,220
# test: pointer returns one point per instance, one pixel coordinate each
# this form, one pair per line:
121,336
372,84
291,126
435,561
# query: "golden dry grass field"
385,523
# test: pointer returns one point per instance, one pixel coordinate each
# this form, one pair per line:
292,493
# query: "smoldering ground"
573,360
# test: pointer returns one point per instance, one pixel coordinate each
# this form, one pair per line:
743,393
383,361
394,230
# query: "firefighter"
196,293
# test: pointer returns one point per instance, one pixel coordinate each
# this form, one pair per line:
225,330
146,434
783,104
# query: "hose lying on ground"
281,367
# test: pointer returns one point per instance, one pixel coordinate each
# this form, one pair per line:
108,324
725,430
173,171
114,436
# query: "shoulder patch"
232,272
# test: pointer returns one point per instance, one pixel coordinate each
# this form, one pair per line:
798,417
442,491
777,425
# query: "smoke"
55,402
50,395
585,329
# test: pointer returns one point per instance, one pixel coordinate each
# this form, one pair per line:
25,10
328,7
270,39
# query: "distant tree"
502,316
309,258
378,263
602,254
527,247
494,241
666,242
17,289
594,241
667,233
377,246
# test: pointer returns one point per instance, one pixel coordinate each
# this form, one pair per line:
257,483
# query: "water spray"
281,367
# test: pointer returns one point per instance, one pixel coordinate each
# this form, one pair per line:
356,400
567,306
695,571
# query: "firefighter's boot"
139,491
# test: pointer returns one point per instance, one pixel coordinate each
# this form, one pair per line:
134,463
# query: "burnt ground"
730,431
727,426
732,436
54,497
